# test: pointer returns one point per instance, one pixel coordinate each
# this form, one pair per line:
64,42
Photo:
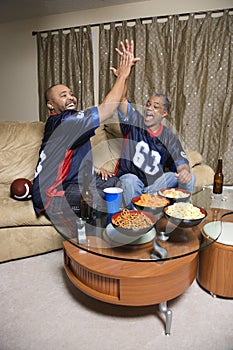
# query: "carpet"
41,309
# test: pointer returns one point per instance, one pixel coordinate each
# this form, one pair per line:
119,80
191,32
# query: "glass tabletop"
165,241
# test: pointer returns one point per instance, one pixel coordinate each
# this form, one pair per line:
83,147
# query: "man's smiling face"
61,99
154,112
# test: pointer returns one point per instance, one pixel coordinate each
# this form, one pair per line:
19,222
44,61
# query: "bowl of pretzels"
133,223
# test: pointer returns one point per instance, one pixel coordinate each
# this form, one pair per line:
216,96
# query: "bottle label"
217,187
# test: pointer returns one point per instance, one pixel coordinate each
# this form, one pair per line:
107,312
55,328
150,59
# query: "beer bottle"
86,201
218,179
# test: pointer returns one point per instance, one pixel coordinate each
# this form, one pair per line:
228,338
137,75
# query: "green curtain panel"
66,57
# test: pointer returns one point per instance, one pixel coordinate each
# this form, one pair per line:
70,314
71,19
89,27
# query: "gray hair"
166,102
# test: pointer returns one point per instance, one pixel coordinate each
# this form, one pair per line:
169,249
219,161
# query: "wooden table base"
125,282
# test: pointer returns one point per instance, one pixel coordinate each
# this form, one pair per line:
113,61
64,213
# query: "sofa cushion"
106,146
18,213
21,242
194,157
112,128
204,175
19,144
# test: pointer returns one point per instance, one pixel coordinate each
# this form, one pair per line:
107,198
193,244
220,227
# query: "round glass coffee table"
152,269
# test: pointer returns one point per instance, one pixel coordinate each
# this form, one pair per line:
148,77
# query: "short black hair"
48,91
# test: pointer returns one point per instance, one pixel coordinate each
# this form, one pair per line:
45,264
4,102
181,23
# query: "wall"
18,56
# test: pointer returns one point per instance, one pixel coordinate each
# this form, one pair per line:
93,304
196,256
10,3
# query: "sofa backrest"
107,145
19,149
20,143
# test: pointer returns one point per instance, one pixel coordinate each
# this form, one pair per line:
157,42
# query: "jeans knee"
129,180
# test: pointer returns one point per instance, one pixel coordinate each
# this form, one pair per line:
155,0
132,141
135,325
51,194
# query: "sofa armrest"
204,174
194,157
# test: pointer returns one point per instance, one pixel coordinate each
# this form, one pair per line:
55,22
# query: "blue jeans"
132,186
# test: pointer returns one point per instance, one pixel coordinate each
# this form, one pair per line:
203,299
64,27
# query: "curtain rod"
132,20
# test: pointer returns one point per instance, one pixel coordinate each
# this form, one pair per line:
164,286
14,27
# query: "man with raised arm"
65,156
152,157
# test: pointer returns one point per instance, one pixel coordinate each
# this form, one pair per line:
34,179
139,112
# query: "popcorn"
185,211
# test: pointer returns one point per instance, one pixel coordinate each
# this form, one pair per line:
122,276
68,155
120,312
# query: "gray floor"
41,309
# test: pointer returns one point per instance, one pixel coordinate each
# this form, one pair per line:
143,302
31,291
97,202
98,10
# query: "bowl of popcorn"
175,194
185,214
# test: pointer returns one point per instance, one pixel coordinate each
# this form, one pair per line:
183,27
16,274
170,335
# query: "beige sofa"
22,234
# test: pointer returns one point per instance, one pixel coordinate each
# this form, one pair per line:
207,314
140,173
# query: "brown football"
21,189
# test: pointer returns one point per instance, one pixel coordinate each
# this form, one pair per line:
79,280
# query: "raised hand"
111,102
127,47
126,63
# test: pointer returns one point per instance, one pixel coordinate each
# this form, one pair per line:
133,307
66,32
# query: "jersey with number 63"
147,154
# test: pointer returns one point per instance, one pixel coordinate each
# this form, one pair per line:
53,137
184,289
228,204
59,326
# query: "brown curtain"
66,57
147,76
190,60
201,86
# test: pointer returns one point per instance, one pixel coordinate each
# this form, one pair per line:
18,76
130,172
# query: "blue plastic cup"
113,196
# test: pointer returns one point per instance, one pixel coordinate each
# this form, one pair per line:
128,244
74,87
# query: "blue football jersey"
144,154
64,155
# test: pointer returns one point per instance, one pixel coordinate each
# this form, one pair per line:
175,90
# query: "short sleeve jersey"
147,154
64,154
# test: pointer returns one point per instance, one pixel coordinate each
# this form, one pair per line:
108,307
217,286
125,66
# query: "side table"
215,268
